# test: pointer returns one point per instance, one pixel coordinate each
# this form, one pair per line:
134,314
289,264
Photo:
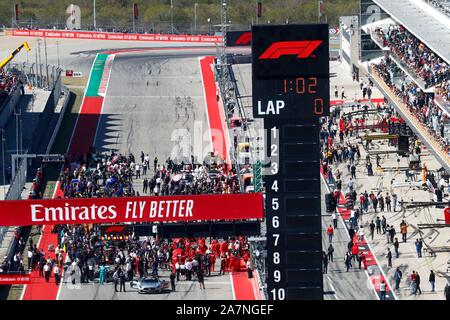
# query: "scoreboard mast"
291,91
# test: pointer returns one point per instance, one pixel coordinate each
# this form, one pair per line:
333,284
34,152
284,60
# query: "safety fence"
228,92
243,134
258,256
37,74
140,27
18,181
14,193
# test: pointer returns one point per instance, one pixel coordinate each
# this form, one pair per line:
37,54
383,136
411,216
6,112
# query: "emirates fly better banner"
133,209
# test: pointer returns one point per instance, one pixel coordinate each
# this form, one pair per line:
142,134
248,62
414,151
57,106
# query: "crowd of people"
417,56
82,255
442,91
184,179
337,150
8,83
442,6
420,104
112,175
96,175
81,248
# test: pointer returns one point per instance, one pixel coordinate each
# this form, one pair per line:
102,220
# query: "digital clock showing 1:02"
302,85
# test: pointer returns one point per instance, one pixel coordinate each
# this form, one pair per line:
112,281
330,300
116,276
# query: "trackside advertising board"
239,38
132,209
8,279
86,35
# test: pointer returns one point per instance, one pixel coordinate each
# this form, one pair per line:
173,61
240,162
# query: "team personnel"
330,232
325,262
330,252
56,274
172,280
397,277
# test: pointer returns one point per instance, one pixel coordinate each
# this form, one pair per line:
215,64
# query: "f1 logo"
303,49
244,38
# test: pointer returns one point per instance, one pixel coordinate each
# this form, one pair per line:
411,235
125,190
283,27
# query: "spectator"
397,278
383,290
432,280
9,81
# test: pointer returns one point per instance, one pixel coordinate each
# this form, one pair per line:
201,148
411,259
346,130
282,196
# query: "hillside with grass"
156,15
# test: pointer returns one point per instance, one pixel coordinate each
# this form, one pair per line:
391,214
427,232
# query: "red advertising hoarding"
86,35
132,209
8,279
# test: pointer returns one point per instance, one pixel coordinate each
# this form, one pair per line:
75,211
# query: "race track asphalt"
154,102
216,288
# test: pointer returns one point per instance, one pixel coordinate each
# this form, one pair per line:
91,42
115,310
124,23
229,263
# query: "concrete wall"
8,108
350,42
41,137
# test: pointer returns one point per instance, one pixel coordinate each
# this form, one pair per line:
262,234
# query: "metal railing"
225,91
237,102
409,71
36,74
249,133
66,92
14,193
163,27
258,256
419,128
442,102
382,42
3,231
439,5
18,181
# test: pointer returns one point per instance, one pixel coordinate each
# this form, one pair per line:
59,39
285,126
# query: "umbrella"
114,159
177,177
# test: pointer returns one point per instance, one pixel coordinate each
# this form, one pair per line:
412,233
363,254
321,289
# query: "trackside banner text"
132,209
62,34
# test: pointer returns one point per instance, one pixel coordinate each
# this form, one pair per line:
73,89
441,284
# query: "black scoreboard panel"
291,91
293,212
290,66
239,38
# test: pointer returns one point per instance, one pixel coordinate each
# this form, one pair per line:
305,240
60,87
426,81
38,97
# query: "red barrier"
447,215
132,209
90,35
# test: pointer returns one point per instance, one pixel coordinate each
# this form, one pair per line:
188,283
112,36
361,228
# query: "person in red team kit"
330,232
355,252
